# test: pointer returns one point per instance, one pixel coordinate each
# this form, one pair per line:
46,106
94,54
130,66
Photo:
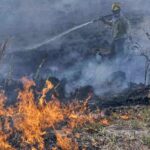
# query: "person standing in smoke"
120,27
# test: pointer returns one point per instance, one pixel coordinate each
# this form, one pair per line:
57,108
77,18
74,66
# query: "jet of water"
59,35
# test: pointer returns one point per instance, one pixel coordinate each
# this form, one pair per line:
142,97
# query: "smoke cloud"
31,22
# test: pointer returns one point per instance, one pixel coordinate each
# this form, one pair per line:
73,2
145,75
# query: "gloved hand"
130,38
95,20
102,19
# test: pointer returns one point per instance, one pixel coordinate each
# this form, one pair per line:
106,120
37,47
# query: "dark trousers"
117,47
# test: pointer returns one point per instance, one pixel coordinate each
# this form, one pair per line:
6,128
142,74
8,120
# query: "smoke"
31,22
34,21
110,76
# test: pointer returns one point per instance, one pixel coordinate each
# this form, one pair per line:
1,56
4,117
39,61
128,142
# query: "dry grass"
122,134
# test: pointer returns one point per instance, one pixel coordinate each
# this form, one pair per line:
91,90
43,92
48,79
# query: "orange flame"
31,118
48,86
66,143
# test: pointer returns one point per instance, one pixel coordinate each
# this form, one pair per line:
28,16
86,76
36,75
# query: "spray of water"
59,36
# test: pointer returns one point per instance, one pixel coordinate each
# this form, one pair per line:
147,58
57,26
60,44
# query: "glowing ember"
124,117
3,142
105,122
66,143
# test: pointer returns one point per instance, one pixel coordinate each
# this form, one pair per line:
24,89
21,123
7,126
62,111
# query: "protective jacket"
119,27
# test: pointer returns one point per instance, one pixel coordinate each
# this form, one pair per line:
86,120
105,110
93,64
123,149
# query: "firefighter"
119,26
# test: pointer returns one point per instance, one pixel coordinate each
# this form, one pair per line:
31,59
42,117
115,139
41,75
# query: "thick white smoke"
31,22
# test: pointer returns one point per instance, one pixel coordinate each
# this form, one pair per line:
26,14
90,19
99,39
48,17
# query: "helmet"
116,7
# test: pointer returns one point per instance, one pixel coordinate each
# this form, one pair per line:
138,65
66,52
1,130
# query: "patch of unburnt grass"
146,141
128,129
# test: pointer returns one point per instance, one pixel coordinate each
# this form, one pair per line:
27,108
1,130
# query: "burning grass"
29,119
38,124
